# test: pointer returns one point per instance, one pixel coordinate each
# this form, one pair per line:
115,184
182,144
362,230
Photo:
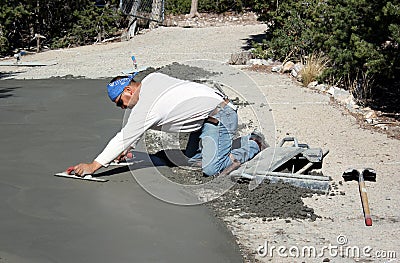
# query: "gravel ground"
311,117
157,48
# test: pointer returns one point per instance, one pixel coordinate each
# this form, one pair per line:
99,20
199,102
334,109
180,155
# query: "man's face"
125,100
119,102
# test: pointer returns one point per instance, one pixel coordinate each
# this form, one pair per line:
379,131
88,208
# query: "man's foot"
259,138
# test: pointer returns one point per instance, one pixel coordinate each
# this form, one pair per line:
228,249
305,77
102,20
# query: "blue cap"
115,88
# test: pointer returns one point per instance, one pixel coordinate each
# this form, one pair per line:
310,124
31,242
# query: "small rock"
296,69
331,90
369,121
257,61
340,95
241,58
312,84
287,67
276,68
322,87
350,103
370,115
382,126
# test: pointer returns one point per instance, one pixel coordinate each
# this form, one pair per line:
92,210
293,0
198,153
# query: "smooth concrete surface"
48,125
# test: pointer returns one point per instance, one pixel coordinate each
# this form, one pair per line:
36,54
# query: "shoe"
259,138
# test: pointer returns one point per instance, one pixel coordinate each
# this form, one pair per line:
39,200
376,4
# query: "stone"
287,67
331,90
296,69
257,61
241,58
312,84
276,68
339,94
370,115
369,121
350,103
382,126
322,87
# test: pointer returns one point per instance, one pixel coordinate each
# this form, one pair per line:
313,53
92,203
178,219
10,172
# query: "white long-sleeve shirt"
167,104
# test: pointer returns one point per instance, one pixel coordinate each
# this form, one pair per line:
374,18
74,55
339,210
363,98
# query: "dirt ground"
332,224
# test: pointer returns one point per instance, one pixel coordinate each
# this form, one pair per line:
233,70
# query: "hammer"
367,174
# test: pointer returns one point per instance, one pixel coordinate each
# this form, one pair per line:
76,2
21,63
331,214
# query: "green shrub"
62,22
177,6
91,24
14,25
360,37
204,6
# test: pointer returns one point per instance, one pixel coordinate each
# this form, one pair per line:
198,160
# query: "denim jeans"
212,146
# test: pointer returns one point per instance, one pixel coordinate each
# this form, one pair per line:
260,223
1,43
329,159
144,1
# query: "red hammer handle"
364,201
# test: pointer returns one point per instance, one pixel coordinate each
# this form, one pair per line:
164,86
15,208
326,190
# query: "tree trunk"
132,27
132,22
155,13
193,9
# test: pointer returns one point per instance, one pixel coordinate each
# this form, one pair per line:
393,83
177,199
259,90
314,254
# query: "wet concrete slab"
47,125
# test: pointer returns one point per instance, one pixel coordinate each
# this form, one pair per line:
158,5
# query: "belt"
225,102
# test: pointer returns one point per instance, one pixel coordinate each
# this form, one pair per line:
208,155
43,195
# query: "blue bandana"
115,88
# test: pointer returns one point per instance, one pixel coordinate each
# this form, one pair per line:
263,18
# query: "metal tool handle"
289,139
364,201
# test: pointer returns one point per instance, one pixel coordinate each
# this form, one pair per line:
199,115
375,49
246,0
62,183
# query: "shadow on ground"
4,75
7,92
253,39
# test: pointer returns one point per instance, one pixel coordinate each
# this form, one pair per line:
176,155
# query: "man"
168,104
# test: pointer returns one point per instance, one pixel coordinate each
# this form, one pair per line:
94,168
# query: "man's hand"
86,168
124,155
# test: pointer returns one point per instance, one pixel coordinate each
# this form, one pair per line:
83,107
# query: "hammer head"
368,174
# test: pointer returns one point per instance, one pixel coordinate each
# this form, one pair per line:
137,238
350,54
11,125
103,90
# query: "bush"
183,6
360,37
177,6
91,24
14,25
62,22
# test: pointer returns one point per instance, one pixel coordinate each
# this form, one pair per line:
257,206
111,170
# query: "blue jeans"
212,146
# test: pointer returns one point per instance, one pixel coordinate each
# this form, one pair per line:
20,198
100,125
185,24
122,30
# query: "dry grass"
360,87
313,66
